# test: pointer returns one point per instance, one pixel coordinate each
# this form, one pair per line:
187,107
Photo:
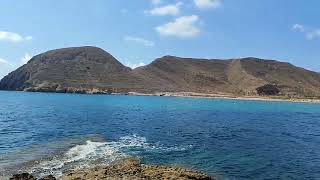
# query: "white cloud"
25,58
13,37
8,66
298,27
310,33
28,38
3,61
171,9
182,27
313,34
139,40
133,65
156,2
207,4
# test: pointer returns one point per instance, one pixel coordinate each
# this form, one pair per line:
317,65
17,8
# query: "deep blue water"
230,139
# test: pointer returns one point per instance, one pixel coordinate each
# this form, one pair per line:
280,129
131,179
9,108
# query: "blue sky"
138,31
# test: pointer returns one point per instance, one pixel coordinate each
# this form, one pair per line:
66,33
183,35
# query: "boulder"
22,176
268,89
50,177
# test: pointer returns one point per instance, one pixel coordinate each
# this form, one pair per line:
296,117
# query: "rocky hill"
68,70
92,70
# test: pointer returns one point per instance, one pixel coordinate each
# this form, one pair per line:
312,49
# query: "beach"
227,96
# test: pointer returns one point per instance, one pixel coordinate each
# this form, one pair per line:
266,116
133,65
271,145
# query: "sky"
138,31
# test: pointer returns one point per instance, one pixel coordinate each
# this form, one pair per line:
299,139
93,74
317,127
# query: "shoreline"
193,95
129,168
226,96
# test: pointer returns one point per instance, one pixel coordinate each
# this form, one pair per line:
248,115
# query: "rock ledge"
125,169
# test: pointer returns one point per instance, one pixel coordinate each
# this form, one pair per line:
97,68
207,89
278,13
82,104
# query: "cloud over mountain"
182,27
13,37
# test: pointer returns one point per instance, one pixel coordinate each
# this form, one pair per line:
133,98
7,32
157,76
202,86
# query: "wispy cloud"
8,66
139,40
171,9
182,27
25,58
23,61
310,33
134,65
298,27
13,37
3,61
156,2
207,4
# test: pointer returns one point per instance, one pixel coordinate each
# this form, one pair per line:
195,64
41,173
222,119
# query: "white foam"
79,157
96,153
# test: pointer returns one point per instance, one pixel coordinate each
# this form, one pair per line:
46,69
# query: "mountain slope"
67,69
178,74
91,69
290,79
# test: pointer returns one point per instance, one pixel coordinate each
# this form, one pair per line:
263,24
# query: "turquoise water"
232,139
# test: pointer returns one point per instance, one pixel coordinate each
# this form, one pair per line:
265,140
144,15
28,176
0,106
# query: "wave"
92,154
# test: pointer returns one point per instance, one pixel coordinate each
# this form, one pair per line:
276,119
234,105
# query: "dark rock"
268,90
132,169
50,177
23,176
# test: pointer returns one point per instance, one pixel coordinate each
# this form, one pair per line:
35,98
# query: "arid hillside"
92,70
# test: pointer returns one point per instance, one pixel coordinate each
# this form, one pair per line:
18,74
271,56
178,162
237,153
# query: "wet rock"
132,169
22,176
50,177
164,172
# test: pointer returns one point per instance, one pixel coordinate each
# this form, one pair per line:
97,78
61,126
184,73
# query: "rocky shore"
124,169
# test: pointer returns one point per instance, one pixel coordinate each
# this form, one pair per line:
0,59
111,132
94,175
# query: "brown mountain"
92,70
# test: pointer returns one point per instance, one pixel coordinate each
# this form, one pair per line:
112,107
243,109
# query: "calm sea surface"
48,133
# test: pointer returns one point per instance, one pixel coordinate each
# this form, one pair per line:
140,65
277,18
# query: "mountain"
67,70
234,76
92,70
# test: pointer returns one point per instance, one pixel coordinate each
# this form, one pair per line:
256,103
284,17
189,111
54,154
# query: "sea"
52,133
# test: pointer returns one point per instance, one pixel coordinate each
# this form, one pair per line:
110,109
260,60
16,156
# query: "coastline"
315,100
288,137
132,168
227,96
129,168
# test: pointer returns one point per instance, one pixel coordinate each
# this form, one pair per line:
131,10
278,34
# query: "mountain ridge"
90,69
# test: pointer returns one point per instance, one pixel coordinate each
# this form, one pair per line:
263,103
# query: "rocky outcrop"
268,89
27,176
125,169
50,177
22,176
132,169
94,71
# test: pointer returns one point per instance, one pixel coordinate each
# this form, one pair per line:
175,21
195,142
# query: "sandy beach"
227,96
